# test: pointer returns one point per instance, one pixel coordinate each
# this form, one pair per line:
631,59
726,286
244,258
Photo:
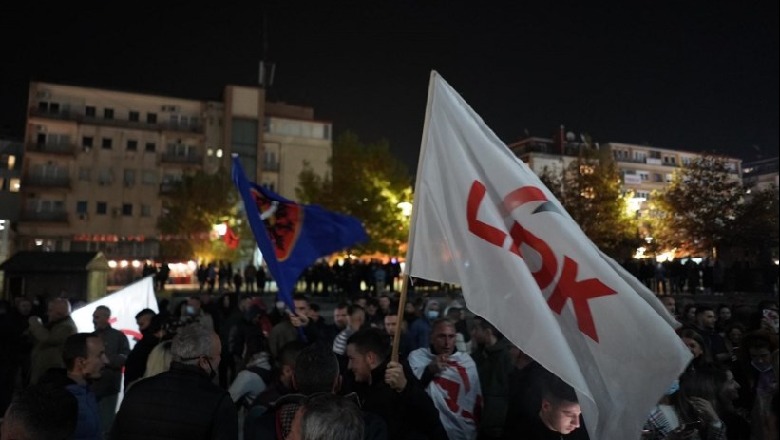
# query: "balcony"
45,182
168,187
31,215
80,117
51,149
189,159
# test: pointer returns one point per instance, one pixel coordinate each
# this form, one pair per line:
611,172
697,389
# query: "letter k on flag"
482,219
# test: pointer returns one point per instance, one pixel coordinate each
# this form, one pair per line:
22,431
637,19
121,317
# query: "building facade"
98,162
643,169
761,174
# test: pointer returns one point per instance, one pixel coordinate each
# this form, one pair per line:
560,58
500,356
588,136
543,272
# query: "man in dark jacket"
150,325
383,389
183,402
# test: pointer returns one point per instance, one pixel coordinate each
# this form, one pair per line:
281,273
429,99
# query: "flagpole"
407,268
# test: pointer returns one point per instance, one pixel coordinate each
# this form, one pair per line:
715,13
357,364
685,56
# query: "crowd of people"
231,367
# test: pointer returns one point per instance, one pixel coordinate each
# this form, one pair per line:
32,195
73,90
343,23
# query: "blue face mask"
432,314
673,388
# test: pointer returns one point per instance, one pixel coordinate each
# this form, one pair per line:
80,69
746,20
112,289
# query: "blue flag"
292,236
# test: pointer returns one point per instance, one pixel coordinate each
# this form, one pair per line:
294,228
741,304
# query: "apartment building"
761,174
11,154
643,168
99,162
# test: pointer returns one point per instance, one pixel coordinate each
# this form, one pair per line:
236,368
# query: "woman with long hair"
683,413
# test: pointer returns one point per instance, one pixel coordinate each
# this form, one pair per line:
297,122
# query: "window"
54,107
134,116
14,185
150,147
146,210
149,177
127,209
129,177
108,113
90,111
132,145
105,177
86,142
7,161
106,143
151,118
84,174
658,177
101,208
81,207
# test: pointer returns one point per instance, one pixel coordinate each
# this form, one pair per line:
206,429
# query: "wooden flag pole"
401,307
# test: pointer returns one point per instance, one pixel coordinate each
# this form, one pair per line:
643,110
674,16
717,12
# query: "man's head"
484,332
357,317
197,345
560,410
391,322
24,306
326,416
314,312
384,303
301,305
670,303
443,336
194,305
58,308
705,317
316,370
366,349
287,360
432,309
340,316
100,317
84,355
144,319
372,305
40,412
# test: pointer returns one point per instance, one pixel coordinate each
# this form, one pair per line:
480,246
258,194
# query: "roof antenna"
267,69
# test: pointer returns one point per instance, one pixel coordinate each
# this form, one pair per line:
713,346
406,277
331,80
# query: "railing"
46,181
194,159
44,216
63,149
70,115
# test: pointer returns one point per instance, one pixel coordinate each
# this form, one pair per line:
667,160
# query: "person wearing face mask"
756,375
183,402
420,329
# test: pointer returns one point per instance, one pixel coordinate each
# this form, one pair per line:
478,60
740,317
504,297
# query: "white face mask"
280,305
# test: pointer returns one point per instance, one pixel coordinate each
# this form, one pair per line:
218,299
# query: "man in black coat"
383,389
183,402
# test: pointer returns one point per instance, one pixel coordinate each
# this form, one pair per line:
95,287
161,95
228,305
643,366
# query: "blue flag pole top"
290,235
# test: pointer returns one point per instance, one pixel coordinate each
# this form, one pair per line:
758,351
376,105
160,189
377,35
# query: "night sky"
690,75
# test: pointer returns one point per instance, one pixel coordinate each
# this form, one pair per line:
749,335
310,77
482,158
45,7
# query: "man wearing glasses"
183,402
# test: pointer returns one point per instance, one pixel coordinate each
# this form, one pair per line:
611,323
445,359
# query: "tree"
757,220
365,181
195,204
701,205
590,191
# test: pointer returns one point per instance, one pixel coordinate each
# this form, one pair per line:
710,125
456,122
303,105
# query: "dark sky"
692,75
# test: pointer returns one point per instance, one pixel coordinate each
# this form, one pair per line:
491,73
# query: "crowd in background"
456,375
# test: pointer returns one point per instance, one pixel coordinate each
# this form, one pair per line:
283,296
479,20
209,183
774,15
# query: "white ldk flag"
482,219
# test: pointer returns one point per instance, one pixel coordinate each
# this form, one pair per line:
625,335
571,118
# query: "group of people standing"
233,367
